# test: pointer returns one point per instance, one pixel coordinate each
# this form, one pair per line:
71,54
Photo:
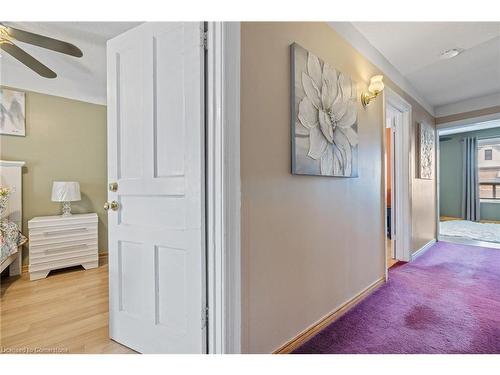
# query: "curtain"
470,180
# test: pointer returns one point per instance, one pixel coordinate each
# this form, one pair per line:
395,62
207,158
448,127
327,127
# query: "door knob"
113,186
114,205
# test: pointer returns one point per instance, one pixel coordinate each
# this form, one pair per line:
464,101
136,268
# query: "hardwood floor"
448,218
65,313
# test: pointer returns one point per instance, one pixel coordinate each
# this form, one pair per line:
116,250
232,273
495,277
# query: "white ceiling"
414,49
77,78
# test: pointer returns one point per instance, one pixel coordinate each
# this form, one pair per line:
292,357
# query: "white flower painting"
12,112
426,141
324,118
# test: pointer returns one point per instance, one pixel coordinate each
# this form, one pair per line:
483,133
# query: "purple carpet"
446,301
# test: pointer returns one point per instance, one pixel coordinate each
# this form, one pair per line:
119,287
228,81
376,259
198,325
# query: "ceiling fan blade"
27,60
44,41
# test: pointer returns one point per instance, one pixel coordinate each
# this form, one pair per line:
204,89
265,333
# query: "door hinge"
204,40
204,317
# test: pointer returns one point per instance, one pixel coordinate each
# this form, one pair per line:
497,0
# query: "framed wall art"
12,112
426,140
324,117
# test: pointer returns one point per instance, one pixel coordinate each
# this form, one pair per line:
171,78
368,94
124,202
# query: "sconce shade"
66,191
376,84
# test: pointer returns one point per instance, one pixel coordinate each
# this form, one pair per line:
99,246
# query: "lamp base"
66,209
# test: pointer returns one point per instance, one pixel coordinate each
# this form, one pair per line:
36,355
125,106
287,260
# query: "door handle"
114,205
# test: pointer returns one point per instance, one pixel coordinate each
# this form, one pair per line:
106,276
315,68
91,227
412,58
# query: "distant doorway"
390,207
466,182
397,169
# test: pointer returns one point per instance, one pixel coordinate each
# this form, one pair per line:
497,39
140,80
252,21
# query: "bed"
11,218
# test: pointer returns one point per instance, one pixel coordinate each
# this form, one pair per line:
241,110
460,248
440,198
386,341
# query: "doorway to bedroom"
390,131
469,184
397,177
133,261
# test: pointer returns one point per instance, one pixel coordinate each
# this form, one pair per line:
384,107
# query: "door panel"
156,156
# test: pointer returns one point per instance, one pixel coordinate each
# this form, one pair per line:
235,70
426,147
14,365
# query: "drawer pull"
54,232
66,247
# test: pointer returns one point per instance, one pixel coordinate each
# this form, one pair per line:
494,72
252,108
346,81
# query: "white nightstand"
62,241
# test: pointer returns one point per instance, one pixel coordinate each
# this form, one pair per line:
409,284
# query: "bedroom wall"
65,140
450,180
309,243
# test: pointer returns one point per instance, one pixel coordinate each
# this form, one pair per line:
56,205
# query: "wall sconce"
375,88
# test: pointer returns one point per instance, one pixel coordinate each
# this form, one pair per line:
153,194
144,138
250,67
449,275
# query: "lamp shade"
66,191
376,84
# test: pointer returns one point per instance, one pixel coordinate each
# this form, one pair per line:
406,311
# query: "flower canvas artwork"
426,140
12,112
324,118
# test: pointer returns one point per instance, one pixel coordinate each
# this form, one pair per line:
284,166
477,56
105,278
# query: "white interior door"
156,159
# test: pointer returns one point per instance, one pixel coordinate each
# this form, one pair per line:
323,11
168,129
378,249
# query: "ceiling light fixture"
451,53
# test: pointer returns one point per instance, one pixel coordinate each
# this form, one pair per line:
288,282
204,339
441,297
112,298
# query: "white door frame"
393,192
223,187
402,175
446,126
438,172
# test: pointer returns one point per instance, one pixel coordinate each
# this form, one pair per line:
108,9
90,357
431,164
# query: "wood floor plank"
65,313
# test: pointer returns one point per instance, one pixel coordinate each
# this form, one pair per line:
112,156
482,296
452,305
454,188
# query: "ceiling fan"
9,34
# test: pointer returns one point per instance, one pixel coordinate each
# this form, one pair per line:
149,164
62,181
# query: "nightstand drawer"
65,235
55,222
62,254
61,230
62,246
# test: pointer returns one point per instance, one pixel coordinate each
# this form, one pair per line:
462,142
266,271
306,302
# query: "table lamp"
66,192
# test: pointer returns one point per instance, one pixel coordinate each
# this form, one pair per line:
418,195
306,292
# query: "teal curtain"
470,180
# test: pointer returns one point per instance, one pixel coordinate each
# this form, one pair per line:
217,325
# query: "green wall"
450,179
65,140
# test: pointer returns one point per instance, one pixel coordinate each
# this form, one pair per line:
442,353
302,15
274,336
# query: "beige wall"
65,140
308,243
424,192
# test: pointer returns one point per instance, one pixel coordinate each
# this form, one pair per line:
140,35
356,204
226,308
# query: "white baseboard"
423,249
305,335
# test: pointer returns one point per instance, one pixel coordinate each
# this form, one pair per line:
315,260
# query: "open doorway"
397,114
469,184
389,190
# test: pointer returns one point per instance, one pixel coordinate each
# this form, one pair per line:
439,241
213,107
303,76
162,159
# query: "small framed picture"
12,112
426,142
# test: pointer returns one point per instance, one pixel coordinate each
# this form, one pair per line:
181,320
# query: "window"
489,168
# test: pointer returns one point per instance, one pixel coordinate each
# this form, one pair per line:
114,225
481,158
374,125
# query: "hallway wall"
309,243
